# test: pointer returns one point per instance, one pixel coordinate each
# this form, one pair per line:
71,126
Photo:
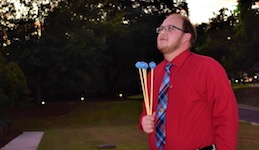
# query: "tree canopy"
69,48
232,39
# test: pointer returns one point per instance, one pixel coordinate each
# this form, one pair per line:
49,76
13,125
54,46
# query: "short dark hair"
189,28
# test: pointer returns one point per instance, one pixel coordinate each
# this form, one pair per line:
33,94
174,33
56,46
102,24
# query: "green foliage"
13,86
84,47
247,36
218,39
233,40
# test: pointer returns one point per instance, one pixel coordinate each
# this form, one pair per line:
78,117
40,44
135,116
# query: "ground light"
236,81
82,98
43,102
120,95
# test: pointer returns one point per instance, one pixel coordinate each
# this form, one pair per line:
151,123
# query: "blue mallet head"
138,64
144,65
152,65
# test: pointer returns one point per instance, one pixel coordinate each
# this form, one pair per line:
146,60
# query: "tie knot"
167,67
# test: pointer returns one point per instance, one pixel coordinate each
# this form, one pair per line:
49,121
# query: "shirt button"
171,86
161,110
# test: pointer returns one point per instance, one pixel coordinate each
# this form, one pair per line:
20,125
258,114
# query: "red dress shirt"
201,108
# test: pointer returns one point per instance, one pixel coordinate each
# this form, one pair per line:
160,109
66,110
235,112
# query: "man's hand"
148,122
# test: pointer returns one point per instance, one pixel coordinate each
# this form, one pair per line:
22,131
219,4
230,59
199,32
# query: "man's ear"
187,37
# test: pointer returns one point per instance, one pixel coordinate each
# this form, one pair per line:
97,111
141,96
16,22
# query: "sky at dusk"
202,10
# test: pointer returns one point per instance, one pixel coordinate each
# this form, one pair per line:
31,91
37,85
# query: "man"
198,108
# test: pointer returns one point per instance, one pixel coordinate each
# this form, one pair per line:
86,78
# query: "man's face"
170,37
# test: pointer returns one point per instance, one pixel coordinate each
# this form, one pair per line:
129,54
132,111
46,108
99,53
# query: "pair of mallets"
142,67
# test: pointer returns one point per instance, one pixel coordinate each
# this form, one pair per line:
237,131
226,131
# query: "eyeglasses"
168,28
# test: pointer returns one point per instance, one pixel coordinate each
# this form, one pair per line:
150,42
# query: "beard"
169,47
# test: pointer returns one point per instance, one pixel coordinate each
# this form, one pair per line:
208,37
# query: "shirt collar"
179,60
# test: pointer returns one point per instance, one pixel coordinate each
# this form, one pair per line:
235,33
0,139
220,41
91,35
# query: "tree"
247,36
65,63
13,86
88,45
219,39
22,21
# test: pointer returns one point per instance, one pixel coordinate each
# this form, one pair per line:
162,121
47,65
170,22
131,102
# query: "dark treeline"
233,40
89,47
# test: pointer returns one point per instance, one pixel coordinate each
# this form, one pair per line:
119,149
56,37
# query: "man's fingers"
148,123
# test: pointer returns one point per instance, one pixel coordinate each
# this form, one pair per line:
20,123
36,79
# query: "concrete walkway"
25,141
249,114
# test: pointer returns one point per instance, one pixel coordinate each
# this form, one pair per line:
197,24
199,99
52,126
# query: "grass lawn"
248,137
125,137
93,123
123,132
84,125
